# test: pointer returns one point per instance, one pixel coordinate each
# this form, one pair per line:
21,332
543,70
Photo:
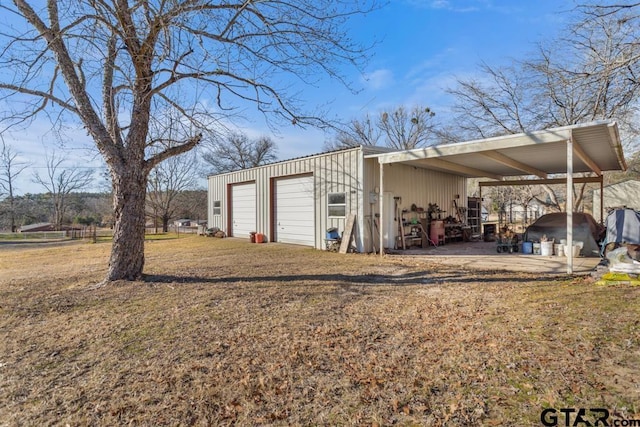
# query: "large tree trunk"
127,252
12,210
165,223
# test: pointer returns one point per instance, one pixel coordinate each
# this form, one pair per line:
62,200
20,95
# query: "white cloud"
440,4
379,79
448,5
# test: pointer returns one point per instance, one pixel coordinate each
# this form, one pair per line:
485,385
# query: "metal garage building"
296,201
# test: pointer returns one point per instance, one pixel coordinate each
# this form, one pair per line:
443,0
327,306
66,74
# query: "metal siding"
263,202
415,186
332,172
216,193
423,186
371,173
343,175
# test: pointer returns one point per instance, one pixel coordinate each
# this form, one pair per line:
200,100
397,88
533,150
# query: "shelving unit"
414,224
474,212
454,232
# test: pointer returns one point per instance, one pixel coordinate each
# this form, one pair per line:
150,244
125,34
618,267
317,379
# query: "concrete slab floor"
484,256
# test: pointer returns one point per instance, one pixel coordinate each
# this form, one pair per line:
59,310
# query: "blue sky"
424,45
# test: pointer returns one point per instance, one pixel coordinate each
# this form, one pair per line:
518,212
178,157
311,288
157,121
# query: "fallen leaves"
298,337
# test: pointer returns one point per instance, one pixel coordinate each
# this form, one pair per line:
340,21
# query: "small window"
216,208
337,204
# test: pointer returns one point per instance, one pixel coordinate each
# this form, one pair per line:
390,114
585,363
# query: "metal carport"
593,147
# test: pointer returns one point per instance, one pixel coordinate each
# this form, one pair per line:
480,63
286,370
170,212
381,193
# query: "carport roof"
596,148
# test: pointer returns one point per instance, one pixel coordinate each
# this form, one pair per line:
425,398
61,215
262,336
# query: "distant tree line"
83,208
86,209
171,193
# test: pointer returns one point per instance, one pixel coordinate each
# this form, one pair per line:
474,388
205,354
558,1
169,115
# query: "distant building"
46,226
38,227
619,195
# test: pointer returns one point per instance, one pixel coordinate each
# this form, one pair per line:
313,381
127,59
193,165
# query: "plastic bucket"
259,238
537,249
576,250
546,248
558,249
527,247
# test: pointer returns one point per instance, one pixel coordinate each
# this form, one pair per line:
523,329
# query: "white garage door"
294,211
243,209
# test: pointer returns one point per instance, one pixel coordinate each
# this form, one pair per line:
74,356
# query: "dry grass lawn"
224,332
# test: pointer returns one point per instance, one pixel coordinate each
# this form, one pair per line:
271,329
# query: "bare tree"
499,103
632,172
193,204
599,10
60,182
237,152
165,184
590,74
119,67
407,129
10,169
583,76
357,132
401,129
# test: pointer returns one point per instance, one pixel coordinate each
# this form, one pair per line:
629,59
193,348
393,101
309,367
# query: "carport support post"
480,213
601,200
569,206
381,209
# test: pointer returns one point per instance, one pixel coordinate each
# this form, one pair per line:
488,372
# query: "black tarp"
554,226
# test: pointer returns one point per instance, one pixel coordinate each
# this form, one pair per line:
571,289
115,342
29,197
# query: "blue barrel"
527,247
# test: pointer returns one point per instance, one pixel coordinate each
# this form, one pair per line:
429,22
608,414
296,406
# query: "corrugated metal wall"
335,172
414,186
423,186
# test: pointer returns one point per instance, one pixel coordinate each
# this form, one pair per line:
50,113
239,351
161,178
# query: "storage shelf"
474,216
413,231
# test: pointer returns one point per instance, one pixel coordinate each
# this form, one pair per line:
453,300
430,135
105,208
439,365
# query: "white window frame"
217,210
330,205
